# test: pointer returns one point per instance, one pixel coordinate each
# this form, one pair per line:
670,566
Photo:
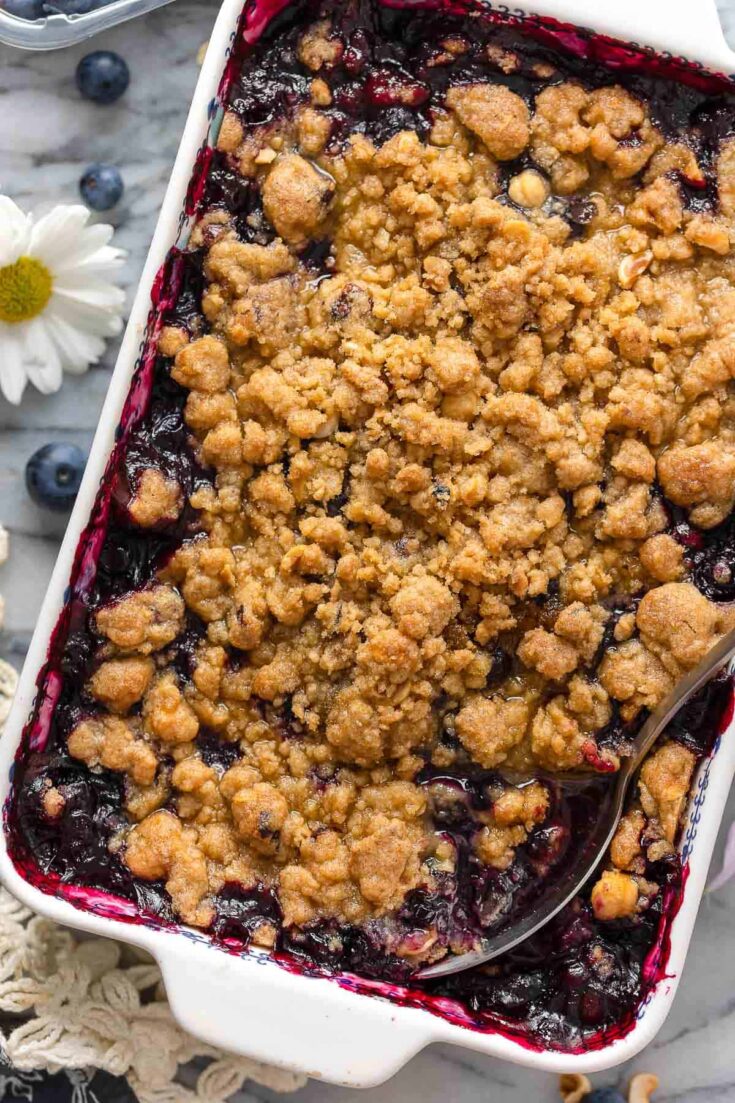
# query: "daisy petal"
63,241
59,234
90,246
15,231
102,262
77,349
92,319
68,333
93,293
41,358
95,355
12,373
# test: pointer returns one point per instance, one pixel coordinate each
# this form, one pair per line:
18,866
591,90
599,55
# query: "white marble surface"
47,137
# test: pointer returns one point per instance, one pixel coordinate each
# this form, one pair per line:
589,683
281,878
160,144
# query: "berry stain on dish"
423,499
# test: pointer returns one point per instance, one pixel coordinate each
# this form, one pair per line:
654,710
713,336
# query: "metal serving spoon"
611,809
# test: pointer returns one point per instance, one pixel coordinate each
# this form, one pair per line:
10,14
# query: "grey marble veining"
47,137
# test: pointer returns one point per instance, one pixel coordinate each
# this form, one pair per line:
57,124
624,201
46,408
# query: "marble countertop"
47,137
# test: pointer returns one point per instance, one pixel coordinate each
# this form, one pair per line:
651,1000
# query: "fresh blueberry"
604,1095
101,187
102,76
24,9
53,475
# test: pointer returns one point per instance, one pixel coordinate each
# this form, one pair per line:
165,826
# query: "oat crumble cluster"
437,533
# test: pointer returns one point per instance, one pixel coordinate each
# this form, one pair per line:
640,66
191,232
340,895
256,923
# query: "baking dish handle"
253,1007
679,27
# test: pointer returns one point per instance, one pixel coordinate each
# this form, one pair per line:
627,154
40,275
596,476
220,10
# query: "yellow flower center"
25,288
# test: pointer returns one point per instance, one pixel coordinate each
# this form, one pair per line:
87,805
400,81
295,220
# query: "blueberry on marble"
102,76
24,9
101,187
604,1095
53,475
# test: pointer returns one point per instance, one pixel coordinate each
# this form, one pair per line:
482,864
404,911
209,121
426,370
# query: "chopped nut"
529,189
631,268
573,1087
642,1087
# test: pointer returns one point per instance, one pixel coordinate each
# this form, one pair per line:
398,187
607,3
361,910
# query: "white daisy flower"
57,305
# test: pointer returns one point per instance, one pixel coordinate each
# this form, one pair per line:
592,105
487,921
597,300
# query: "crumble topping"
651,824
142,622
157,499
118,684
437,532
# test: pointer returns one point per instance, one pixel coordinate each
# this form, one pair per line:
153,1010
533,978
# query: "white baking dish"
250,1004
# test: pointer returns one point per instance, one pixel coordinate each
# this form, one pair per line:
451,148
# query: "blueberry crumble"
430,503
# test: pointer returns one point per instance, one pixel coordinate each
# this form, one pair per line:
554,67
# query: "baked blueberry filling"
427,483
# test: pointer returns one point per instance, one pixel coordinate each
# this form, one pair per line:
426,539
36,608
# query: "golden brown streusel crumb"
230,133
543,651
166,714
295,197
664,785
626,846
202,365
115,744
435,485
172,339
702,477
160,847
496,115
317,49
489,727
144,621
157,499
615,895
679,625
663,558
118,684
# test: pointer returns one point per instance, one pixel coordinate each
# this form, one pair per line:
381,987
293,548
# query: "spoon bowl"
611,807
